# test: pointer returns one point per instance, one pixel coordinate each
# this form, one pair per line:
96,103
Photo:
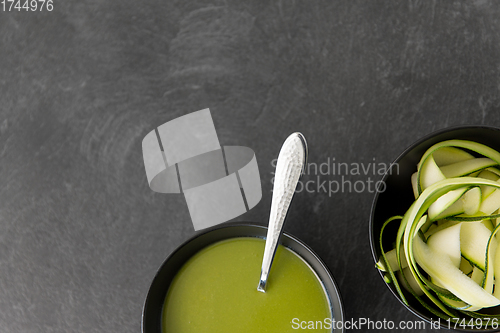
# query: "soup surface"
216,291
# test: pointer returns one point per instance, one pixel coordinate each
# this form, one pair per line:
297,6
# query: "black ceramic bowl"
152,311
398,196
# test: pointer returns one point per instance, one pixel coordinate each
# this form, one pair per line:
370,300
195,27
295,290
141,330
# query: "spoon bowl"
153,306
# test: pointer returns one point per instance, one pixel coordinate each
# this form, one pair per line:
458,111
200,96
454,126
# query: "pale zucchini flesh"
448,235
487,190
441,268
466,167
430,173
447,242
472,201
445,201
474,238
491,203
455,209
450,155
393,261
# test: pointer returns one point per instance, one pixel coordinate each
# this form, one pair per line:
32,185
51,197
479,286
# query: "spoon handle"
291,164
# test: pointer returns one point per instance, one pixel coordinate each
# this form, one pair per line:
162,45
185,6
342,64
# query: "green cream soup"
216,292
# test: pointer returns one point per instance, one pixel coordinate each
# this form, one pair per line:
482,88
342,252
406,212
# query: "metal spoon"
291,164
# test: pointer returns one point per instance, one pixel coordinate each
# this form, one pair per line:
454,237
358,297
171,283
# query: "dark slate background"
81,234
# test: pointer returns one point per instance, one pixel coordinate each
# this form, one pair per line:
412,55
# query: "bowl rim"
337,295
372,239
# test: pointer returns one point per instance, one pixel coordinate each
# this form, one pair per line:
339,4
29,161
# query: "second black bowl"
398,196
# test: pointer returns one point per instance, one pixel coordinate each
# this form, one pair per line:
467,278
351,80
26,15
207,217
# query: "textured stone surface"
81,234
